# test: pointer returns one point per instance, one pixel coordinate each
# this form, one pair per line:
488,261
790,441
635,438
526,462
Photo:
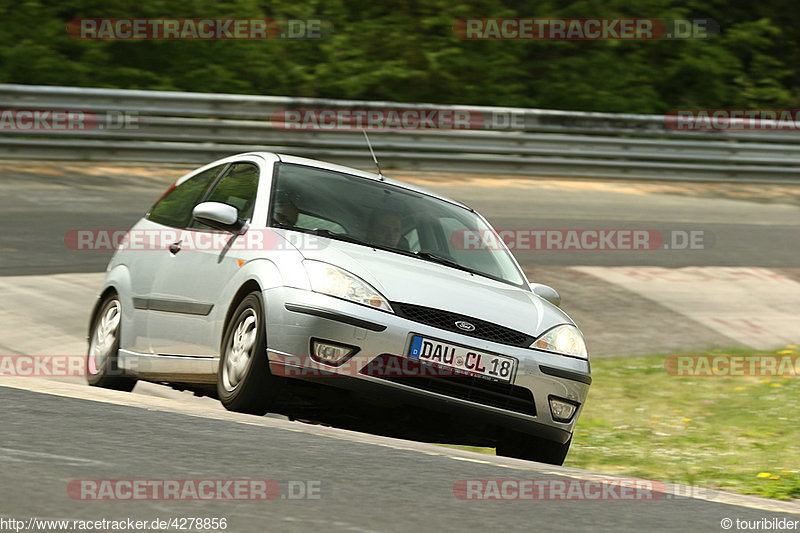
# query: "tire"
522,446
244,382
101,360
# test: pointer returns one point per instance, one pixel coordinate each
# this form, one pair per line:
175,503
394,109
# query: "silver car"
282,284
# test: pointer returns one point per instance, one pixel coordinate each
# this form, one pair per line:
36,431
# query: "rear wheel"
101,362
244,382
522,446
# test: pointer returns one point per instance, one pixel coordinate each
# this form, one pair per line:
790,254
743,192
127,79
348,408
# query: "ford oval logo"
465,326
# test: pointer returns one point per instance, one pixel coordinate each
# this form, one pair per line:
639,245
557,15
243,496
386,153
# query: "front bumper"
295,316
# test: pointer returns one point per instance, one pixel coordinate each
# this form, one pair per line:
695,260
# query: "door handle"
175,247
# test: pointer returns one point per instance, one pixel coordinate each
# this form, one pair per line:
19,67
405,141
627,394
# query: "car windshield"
381,215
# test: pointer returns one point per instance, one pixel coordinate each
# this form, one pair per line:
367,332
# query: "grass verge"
738,434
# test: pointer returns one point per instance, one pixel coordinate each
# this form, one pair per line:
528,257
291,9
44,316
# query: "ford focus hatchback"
282,284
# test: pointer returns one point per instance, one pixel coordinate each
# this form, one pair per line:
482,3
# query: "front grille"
447,321
473,389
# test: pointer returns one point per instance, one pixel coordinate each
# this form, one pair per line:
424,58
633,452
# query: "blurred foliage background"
405,50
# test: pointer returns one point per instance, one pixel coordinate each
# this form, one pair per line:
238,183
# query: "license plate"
463,360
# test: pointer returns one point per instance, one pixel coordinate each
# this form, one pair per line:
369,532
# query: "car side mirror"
218,215
547,292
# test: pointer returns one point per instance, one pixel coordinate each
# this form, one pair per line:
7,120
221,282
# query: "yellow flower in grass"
774,476
686,419
764,381
764,474
738,388
776,385
784,352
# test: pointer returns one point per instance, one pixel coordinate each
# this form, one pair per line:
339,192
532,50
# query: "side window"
175,207
238,187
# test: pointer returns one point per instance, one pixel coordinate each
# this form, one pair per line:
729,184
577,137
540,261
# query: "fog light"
562,410
331,353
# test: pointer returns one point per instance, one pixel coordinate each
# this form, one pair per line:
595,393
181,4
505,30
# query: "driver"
284,213
385,229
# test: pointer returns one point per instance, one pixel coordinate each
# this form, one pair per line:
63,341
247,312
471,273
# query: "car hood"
415,281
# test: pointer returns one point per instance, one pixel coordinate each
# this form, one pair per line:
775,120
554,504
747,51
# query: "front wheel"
244,382
522,446
101,362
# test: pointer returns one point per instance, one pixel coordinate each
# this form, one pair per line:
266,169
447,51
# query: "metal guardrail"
185,127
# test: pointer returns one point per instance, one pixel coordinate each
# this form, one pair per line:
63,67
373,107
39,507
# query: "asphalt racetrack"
741,288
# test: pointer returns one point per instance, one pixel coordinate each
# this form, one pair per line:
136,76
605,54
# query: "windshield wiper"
340,236
433,258
276,224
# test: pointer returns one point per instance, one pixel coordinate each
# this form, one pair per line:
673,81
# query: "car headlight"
564,339
340,283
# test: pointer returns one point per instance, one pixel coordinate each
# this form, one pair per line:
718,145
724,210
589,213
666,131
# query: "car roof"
354,172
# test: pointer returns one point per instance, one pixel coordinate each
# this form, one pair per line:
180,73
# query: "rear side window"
175,208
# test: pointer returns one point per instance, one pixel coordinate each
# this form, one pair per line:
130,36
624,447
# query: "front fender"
261,272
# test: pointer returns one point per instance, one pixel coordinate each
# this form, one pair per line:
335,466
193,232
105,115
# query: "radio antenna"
378,165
